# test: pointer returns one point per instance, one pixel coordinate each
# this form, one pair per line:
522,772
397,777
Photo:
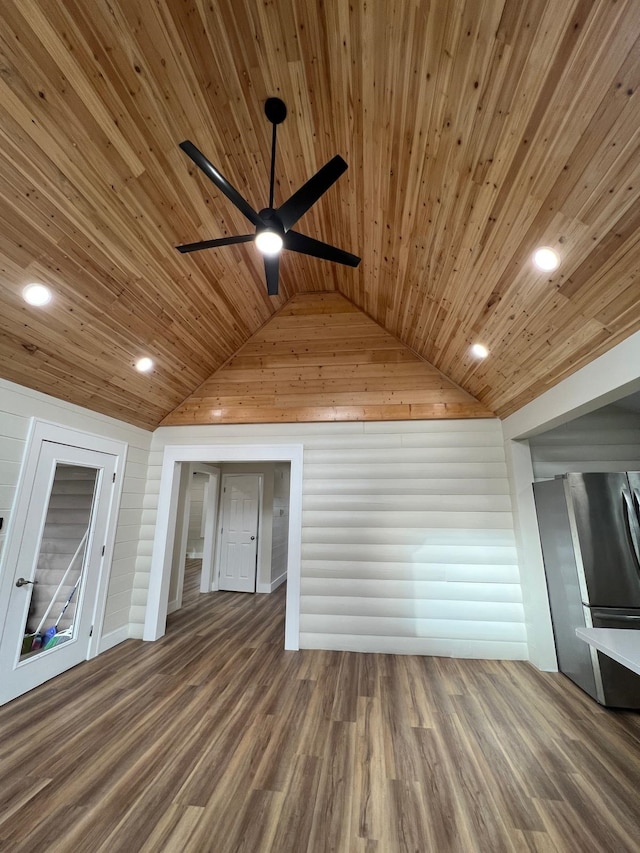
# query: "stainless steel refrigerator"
590,534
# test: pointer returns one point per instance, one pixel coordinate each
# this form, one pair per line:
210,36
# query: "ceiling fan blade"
212,244
220,181
297,242
309,193
271,267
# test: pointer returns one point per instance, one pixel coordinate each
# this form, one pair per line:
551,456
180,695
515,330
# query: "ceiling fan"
274,226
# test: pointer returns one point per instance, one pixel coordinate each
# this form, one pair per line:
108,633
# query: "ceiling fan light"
269,242
546,259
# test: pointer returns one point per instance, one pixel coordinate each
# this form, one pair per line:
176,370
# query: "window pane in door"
57,586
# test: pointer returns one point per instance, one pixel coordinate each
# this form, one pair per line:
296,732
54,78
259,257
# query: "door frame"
160,574
39,432
210,518
220,516
181,537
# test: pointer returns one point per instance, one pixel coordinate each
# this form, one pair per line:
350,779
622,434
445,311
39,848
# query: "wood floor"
215,739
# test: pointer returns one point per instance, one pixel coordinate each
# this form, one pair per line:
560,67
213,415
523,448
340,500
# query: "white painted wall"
180,542
605,440
407,535
280,527
195,536
17,406
535,600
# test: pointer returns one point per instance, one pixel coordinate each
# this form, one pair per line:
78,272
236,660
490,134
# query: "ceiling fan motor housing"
271,222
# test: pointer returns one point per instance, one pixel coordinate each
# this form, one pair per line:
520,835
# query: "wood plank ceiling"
321,359
474,131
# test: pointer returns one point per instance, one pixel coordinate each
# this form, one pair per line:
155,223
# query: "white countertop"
621,644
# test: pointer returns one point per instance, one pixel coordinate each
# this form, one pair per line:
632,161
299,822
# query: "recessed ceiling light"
479,351
269,242
546,259
36,294
144,365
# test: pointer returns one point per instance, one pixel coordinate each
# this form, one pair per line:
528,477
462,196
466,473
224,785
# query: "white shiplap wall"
17,406
605,440
407,535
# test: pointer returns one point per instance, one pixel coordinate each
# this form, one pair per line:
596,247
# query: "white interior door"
52,602
239,533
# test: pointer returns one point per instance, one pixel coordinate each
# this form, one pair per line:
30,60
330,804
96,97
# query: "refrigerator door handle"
631,521
603,614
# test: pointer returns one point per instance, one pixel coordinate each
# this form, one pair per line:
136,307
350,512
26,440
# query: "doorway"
54,583
195,528
175,456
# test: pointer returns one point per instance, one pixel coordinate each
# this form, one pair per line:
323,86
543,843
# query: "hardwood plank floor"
215,739
191,586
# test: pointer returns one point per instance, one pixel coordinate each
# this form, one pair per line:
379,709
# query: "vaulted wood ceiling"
321,359
474,132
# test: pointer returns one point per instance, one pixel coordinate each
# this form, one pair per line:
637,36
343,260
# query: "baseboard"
172,606
278,581
269,587
113,638
195,555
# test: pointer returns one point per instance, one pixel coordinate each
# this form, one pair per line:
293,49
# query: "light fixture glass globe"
479,351
268,242
546,259
36,294
144,365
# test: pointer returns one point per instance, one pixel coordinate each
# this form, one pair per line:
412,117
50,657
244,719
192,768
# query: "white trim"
113,638
182,524
269,587
174,455
205,501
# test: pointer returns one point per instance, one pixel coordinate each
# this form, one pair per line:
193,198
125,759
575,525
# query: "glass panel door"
56,567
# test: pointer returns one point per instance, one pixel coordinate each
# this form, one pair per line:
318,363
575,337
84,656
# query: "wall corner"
535,599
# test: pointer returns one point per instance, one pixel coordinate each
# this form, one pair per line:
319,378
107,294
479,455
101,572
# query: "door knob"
252,538
23,582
